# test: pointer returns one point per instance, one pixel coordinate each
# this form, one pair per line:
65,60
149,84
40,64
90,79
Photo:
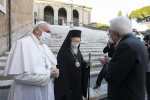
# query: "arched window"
62,16
76,18
49,15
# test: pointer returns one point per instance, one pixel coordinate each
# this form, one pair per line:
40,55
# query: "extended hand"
89,63
104,60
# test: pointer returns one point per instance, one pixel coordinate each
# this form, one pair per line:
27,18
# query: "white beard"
75,51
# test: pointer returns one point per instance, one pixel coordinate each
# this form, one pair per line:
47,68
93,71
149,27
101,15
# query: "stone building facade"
20,20
59,13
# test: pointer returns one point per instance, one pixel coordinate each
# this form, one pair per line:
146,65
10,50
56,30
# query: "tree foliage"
141,15
102,25
120,13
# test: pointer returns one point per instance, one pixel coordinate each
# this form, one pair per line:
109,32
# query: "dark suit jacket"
126,71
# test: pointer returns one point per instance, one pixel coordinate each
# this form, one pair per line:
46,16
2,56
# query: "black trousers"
148,85
34,21
100,77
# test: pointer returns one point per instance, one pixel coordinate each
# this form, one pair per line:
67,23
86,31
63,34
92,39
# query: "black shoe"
95,86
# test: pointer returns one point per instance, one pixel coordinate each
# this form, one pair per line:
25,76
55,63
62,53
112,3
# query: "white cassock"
26,62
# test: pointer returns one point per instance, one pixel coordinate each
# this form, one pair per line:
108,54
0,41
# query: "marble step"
1,72
82,51
83,48
97,58
83,45
6,53
99,93
94,64
93,54
92,49
4,58
6,82
93,71
2,64
95,94
85,55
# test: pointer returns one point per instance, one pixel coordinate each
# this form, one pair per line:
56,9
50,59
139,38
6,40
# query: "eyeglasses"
108,32
76,42
44,31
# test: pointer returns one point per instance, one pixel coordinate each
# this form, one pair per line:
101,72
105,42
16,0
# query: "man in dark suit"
125,73
110,50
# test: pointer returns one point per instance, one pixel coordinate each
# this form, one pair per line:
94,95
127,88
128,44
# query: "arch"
62,16
49,15
75,17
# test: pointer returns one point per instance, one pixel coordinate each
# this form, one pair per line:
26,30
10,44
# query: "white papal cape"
31,78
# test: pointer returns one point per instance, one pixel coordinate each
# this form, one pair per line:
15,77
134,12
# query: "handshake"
104,60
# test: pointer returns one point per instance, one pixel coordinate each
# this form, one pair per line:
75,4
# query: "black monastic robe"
72,81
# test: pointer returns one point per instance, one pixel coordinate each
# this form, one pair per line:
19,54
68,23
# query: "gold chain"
73,55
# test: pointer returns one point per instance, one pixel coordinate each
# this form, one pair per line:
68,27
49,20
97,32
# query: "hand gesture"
104,60
54,72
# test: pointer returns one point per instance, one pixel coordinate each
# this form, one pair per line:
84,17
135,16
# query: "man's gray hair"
122,25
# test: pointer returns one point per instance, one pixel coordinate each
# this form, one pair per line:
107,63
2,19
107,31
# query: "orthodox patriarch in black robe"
72,81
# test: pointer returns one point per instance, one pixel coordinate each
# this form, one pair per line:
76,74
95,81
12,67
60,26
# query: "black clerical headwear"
67,42
75,33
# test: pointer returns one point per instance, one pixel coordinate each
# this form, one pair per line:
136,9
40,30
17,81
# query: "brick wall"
22,21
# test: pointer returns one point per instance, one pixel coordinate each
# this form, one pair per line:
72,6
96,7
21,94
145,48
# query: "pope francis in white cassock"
33,66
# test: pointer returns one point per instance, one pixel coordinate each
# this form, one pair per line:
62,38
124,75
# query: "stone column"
68,16
41,12
89,21
71,22
55,15
80,18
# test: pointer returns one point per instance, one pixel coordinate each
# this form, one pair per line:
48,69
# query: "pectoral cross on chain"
46,66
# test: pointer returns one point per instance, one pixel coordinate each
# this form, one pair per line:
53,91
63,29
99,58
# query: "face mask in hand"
73,45
45,37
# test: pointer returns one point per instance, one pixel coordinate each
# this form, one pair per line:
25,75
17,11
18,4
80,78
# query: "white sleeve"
33,79
53,65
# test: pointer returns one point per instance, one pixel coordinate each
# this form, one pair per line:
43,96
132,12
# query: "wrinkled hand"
89,63
54,73
104,60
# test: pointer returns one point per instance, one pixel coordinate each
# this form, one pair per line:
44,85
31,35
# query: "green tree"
102,25
120,13
141,15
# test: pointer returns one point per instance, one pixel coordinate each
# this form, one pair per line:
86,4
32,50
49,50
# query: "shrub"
102,25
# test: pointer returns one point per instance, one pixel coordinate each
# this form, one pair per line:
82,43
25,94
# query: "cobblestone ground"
4,93
93,82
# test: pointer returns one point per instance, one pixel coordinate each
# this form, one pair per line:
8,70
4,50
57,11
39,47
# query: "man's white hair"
122,25
39,25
